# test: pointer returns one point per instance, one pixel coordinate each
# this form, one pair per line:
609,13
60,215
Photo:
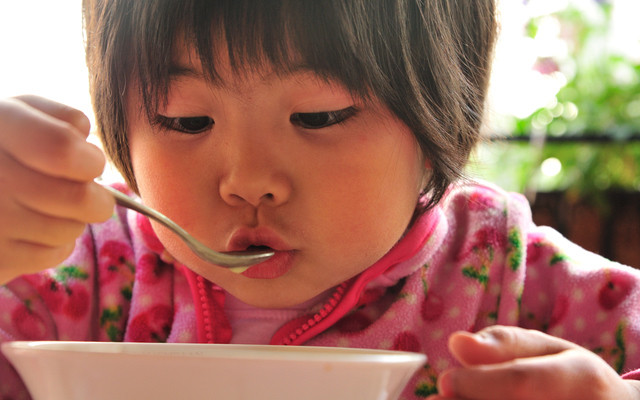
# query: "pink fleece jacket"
473,261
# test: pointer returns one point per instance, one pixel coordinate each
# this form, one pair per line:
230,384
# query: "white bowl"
100,370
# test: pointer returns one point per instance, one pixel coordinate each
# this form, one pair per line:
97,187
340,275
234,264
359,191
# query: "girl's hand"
47,193
514,363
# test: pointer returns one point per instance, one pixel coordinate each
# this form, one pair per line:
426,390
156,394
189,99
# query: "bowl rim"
205,350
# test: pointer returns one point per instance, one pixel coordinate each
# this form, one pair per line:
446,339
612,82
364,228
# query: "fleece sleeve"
56,304
580,296
87,297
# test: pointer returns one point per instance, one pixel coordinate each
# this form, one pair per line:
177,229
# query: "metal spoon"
237,261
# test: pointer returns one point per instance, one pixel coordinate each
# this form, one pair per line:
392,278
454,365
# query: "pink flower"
535,248
432,307
77,304
546,65
615,290
481,200
28,324
151,268
407,341
153,325
115,258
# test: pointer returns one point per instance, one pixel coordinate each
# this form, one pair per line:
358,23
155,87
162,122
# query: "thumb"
498,344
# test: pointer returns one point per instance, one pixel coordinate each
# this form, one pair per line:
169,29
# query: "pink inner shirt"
254,325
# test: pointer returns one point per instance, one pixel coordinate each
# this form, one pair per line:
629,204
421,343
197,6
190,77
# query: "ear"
426,175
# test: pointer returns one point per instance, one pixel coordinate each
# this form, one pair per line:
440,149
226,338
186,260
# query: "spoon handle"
230,260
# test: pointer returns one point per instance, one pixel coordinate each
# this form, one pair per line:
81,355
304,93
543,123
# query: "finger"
85,202
571,374
499,343
59,111
20,258
24,225
47,144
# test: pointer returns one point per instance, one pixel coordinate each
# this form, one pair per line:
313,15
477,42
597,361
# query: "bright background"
41,51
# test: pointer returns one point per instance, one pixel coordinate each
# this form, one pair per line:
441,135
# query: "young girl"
334,133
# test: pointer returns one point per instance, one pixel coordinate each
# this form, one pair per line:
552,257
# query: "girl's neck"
254,325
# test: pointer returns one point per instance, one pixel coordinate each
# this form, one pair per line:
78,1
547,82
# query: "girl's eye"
317,120
190,125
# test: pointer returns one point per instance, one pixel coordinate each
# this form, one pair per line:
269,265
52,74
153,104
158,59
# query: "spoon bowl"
237,261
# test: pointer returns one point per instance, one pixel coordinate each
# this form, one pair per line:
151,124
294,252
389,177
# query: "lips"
275,266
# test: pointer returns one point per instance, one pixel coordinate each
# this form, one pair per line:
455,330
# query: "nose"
255,175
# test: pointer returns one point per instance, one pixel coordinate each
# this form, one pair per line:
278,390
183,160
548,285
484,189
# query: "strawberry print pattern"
480,261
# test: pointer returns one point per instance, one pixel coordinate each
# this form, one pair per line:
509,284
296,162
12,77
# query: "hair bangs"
427,61
278,36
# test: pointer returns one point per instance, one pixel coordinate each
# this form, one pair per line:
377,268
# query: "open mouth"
259,248
261,240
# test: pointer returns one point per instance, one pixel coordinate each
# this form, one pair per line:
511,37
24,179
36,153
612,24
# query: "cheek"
155,161
164,190
152,173
162,181
359,234
366,211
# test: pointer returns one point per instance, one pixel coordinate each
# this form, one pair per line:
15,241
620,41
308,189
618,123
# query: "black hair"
428,61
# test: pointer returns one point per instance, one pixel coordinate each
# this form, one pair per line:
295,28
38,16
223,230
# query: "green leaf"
65,273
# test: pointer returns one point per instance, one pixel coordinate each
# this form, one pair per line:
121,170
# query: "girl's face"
291,162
